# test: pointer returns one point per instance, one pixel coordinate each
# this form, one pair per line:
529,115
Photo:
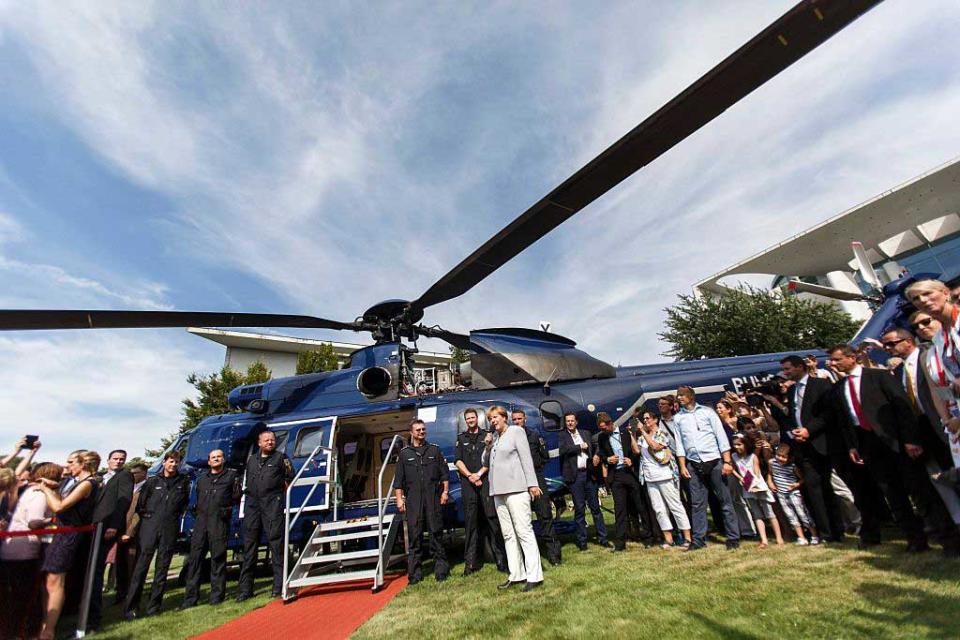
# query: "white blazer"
511,465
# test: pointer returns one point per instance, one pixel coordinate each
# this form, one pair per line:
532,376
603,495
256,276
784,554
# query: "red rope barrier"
47,532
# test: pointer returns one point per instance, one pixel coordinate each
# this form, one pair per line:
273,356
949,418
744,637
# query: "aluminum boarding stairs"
344,549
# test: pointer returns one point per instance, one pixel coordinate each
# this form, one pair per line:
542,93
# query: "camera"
29,441
753,392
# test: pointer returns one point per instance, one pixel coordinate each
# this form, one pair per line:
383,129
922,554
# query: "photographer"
31,444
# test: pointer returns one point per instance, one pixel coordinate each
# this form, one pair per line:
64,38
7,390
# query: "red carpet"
329,612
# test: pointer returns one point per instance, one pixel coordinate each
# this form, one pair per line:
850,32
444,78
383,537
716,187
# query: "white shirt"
577,440
799,389
653,471
855,376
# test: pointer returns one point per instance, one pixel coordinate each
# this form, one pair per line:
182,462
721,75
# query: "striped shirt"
784,475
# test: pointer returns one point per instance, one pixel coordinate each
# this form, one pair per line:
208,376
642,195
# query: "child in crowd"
755,491
785,480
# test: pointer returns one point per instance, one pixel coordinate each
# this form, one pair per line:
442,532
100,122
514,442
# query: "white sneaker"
814,540
802,542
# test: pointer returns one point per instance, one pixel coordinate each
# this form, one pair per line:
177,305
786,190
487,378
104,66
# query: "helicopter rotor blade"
458,340
36,319
789,38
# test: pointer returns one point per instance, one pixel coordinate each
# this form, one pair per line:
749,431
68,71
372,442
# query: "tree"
459,355
212,392
321,359
748,321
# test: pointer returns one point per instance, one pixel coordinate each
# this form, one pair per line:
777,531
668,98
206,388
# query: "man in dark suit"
813,435
939,503
576,464
880,431
619,451
113,501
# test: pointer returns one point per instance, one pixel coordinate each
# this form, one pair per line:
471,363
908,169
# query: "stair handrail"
382,506
286,512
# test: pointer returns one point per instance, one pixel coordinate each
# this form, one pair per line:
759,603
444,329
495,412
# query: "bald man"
218,489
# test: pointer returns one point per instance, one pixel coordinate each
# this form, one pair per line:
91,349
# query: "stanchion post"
88,582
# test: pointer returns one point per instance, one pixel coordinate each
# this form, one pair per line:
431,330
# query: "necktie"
911,389
857,409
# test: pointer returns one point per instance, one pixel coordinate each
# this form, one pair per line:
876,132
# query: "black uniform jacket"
216,494
113,502
470,449
420,471
267,476
885,406
818,415
606,449
162,501
569,453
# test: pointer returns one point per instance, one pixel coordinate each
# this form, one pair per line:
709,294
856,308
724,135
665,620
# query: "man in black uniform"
479,514
161,504
541,504
217,491
422,486
268,473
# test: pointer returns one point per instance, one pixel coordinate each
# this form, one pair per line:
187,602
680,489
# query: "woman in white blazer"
513,482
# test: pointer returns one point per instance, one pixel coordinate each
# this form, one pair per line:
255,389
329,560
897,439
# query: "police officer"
421,488
217,490
268,473
161,504
541,504
479,513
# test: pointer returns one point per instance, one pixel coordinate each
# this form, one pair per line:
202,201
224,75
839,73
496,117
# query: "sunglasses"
892,343
921,323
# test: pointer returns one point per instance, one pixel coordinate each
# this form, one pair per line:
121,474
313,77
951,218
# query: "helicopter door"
304,437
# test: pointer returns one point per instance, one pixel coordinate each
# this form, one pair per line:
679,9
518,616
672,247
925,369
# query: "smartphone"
30,441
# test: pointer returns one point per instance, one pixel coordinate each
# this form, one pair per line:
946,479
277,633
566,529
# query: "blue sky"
317,158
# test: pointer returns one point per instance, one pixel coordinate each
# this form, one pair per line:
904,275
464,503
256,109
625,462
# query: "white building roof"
898,220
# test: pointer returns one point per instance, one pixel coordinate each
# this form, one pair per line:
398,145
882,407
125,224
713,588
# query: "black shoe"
693,547
918,546
214,603
733,545
415,580
555,562
244,596
867,543
186,605
151,612
469,571
276,593
442,576
582,546
530,586
507,584
605,544
503,569
618,549
129,615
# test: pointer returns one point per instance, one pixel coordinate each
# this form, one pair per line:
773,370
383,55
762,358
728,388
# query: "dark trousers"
208,533
21,587
888,473
262,517
706,476
153,539
818,493
480,525
127,554
584,492
626,494
425,517
544,511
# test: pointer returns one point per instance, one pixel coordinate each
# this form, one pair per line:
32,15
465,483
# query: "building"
279,354
913,227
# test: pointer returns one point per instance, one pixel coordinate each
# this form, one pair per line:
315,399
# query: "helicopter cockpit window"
552,414
307,440
481,419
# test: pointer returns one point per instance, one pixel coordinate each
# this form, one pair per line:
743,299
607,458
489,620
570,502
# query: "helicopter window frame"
302,436
547,413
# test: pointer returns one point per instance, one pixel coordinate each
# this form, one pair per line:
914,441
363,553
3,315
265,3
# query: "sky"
318,158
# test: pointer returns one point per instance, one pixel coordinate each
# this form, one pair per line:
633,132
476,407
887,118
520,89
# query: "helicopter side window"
552,414
307,440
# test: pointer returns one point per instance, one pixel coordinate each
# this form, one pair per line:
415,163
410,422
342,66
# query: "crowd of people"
812,454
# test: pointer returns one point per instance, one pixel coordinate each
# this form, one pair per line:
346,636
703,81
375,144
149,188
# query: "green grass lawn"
793,592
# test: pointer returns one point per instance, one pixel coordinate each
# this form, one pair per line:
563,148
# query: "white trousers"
513,512
665,499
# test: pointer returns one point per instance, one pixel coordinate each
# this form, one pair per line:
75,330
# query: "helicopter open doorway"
362,443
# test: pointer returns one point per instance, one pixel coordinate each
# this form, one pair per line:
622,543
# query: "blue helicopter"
343,429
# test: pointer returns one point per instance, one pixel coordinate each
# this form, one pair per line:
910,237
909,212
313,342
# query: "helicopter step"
347,548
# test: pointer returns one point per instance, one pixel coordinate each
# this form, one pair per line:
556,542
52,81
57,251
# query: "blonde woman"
73,510
513,482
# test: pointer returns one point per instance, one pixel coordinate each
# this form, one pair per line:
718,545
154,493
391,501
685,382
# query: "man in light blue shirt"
701,445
